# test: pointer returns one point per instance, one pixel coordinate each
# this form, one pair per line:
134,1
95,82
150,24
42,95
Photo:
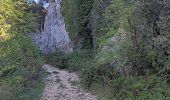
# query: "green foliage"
77,59
85,21
71,61
76,13
140,88
20,62
57,59
20,69
131,60
117,13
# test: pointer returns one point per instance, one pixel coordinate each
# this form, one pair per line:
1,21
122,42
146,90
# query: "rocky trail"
62,85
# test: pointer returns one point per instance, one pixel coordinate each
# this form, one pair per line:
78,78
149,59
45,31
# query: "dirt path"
62,85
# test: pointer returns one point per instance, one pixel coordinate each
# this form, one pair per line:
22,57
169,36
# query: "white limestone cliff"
54,37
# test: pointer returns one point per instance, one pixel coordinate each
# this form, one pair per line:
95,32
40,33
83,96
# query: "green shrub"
77,59
58,59
20,62
137,67
139,88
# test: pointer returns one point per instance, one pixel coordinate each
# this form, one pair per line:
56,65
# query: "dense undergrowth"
121,49
20,62
131,55
111,81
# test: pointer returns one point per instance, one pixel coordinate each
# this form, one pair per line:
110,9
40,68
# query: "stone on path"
59,86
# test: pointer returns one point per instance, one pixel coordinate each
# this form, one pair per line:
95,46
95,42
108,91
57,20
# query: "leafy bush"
57,59
139,88
85,21
20,69
134,67
77,59
71,61
20,62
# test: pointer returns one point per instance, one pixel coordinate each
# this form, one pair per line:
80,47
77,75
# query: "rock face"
54,38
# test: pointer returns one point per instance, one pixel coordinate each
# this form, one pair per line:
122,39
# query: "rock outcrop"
54,37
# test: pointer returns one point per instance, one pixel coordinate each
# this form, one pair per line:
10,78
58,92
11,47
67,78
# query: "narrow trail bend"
61,85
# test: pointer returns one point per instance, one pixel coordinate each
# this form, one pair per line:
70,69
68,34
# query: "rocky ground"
62,85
